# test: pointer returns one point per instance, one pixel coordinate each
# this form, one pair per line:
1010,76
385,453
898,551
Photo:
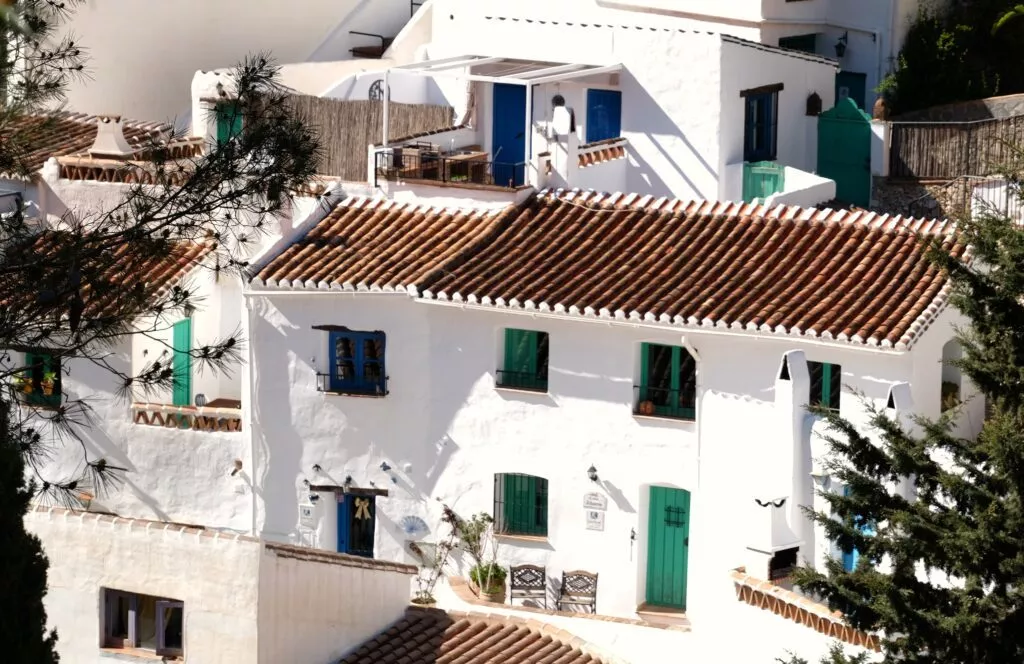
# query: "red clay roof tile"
850,276
431,636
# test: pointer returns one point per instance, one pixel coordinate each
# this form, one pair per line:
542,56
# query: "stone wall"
920,199
968,111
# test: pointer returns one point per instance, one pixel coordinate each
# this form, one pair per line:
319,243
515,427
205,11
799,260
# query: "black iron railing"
418,165
520,380
662,402
365,388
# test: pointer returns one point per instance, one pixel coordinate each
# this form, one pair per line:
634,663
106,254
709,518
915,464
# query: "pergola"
527,73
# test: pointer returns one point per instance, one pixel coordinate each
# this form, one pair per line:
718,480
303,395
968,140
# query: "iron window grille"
668,382
526,361
357,364
520,504
826,385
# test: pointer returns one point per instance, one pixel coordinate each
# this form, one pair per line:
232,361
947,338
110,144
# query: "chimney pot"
110,142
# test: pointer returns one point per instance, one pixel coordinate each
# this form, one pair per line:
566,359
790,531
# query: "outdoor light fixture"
592,473
348,481
384,466
841,45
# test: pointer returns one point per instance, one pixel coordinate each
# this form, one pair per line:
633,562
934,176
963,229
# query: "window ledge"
663,418
136,655
520,390
521,538
343,393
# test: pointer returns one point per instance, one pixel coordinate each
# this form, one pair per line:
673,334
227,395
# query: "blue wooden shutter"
604,115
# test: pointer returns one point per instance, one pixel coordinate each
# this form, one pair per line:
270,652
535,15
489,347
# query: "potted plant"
23,383
646,408
489,580
49,382
433,557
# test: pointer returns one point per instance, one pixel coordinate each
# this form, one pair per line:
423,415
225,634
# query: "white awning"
505,70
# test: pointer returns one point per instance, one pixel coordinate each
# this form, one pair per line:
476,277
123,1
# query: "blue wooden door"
357,520
604,115
181,363
853,85
508,134
668,545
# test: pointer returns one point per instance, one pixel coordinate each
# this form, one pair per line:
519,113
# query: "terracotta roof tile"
850,276
378,244
41,137
431,636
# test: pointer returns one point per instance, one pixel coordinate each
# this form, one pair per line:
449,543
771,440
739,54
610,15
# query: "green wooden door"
844,151
182,363
852,84
668,543
761,179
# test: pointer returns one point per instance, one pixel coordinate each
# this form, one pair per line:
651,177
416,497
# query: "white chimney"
110,142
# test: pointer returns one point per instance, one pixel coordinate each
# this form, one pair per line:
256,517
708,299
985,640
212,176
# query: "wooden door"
508,138
844,151
357,519
668,543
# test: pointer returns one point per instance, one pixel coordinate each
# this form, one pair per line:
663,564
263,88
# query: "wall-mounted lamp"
348,481
317,468
238,467
314,498
384,466
592,473
841,45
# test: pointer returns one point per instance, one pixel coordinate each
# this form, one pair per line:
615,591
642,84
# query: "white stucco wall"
216,578
144,73
445,430
315,612
745,67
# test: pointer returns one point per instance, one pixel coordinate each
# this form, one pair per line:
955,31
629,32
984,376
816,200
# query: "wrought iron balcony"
352,387
663,402
520,380
417,164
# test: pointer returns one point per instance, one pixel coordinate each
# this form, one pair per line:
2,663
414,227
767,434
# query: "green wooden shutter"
182,363
509,508
762,179
644,359
229,121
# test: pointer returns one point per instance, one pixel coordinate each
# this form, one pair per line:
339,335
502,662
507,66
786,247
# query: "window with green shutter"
520,505
526,361
229,121
668,382
826,384
40,382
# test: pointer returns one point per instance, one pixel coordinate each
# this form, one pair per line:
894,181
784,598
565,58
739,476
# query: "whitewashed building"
620,380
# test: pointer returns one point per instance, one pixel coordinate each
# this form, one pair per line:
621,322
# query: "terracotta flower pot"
498,596
646,408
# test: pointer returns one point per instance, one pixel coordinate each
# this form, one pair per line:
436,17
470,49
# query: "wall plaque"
595,520
595,501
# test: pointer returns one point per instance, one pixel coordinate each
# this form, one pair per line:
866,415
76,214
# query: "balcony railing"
197,418
397,165
361,388
662,402
519,380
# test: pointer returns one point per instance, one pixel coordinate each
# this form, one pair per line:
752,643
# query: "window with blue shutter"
760,127
604,115
357,363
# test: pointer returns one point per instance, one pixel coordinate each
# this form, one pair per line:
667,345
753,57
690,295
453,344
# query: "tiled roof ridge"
799,55
594,200
365,203
799,609
90,118
543,628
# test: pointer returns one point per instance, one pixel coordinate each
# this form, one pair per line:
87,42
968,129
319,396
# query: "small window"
668,382
229,121
851,557
143,621
520,505
357,363
40,382
526,361
951,377
826,384
805,43
760,138
604,115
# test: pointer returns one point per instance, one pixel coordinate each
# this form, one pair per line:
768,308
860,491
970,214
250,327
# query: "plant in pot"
49,381
433,559
23,383
489,577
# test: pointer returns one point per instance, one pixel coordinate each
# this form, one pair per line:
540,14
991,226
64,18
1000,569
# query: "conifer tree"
940,573
71,288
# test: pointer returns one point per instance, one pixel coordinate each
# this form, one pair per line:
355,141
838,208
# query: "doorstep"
461,589
665,616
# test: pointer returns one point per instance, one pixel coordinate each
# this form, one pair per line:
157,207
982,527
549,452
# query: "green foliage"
835,656
473,534
953,54
490,577
940,575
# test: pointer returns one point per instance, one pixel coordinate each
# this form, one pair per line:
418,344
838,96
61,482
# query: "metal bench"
528,582
578,588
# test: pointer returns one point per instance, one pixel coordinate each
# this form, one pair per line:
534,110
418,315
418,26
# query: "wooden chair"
528,582
578,588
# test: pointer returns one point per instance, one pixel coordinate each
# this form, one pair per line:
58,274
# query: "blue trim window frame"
604,114
761,123
357,362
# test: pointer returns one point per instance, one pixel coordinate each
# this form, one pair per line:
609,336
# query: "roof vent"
110,142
